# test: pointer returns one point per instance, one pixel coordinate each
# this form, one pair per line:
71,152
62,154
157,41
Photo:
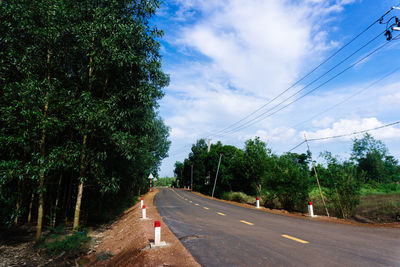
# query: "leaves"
69,69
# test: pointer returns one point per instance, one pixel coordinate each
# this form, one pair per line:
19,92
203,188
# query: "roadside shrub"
238,197
343,186
289,182
57,243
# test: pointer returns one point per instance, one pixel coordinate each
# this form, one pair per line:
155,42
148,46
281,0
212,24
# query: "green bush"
288,182
57,243
342,182
238,197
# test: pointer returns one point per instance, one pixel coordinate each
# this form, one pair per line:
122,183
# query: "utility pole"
191,178
208,151
216,175
316,176
181,180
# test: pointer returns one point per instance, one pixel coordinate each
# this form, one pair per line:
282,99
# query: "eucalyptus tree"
80,82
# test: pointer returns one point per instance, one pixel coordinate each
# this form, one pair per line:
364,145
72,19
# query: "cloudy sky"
246,68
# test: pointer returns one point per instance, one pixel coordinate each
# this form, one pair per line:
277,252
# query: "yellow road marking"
190,201
205,208
295,239
196,204
249,223
220,213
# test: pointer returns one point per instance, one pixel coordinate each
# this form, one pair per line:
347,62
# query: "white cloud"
324,122
236,55
343,127
279,134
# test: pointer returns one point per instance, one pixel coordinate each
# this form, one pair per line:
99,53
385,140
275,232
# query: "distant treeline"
80,133
285,181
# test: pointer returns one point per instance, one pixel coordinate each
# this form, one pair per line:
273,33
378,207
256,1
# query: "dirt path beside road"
126,242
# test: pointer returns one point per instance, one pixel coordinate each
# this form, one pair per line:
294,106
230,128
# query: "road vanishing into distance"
221,234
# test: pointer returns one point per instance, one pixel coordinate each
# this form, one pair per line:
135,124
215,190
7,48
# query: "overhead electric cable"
343,135
309,73
305,76
348,98
262,116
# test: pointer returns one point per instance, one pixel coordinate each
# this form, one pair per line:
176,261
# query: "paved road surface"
221,234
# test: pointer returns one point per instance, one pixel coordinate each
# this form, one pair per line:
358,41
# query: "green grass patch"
58,241
239,197
376,188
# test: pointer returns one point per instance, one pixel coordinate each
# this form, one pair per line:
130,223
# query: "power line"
297,82
305,76
264,116
343,135
348,98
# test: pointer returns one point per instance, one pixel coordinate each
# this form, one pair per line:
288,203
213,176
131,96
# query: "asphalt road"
221,234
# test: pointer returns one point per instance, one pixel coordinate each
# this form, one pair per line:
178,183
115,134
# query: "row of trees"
286,180
80,132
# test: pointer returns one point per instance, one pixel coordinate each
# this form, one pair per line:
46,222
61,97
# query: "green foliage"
178,172
239,197
165,181
377,188
288,182
57,243
343,184
70,70
373,159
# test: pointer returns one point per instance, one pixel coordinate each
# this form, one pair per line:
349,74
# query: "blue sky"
228,58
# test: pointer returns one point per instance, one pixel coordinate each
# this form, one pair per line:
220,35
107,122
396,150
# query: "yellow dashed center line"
222,214
190,201
249,223
205,208
196,204
295,239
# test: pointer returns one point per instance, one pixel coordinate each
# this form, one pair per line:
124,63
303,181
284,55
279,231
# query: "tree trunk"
30,207
17,207
42,155
53,221
80,187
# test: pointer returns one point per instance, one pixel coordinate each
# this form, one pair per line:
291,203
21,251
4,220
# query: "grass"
380,203
368,189
60,241
239,197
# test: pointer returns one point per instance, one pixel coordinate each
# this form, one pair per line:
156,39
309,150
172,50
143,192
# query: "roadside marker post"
141,202
157,236
157,233
310,209
144,212
258,203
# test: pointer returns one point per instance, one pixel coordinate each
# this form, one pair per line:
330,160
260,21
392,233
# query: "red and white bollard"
157,233
141,202
157,236
258,203
144,212
310,209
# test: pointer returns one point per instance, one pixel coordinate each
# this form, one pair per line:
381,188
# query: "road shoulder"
302,215
127,241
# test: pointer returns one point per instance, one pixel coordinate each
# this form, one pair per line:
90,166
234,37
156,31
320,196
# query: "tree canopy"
80,83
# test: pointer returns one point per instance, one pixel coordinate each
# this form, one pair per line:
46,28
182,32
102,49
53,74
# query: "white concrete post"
157,233
258,203
310,209
141,202
144,212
